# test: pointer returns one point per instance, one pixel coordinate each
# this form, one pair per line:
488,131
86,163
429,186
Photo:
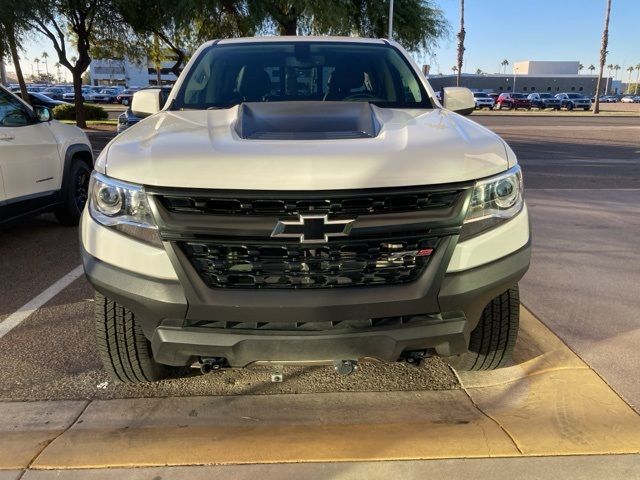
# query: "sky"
509,29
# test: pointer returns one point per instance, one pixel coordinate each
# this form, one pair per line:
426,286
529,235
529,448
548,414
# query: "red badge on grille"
425,252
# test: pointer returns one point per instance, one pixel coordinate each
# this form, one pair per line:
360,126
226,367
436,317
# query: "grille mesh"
360,204
335,264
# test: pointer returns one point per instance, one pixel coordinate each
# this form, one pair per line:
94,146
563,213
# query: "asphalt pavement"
587,163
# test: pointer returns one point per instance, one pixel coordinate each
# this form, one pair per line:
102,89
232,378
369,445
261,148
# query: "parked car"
544,100
630,99
483,100
39,99
45,165
124,97
106,95
510,100
241,223
55,93
574,100
71,96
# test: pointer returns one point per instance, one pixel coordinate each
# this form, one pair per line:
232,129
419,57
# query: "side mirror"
43,114
459,99
146,102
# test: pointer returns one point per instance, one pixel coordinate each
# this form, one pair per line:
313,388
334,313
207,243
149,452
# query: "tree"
616,67
461,35
454,69
630,70
37,62
13,26
592,68
45,55
580,67
57,65
418,24
603,56
478,72
62,21
637,78
505,64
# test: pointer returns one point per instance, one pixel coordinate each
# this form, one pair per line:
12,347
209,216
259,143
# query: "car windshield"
227,75
574,95
518,95
480,95
106,91
41,97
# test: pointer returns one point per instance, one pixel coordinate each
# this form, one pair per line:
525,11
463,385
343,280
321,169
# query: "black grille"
278,204
334,264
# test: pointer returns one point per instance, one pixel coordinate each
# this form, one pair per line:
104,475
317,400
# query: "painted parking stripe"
35,303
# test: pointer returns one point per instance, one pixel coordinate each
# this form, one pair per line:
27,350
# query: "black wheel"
569,106
586,109
124,350
75,194
492,341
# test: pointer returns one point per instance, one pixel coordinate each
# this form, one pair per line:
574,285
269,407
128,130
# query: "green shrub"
68,112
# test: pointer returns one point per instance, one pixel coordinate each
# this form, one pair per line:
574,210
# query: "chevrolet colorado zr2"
304,200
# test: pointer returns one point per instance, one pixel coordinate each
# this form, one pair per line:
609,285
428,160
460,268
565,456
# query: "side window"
12,112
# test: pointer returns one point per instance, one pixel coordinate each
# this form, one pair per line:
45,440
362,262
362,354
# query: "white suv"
303,199
44,164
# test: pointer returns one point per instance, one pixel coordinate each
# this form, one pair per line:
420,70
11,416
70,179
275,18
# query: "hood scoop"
306,121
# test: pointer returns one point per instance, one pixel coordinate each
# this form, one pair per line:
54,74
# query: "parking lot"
582,178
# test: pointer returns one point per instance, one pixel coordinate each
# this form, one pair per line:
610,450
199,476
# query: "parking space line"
35,303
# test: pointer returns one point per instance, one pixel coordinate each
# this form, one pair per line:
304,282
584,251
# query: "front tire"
492,341
75,195
124,350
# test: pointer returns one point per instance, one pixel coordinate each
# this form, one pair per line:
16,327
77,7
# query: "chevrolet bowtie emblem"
312,228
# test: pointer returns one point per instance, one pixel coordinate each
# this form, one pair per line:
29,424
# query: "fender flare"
69,154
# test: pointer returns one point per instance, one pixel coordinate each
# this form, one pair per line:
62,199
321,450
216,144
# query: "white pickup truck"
302,199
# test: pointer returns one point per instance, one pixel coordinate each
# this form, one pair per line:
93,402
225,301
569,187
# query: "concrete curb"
550,403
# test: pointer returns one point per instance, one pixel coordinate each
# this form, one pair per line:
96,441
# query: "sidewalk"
551,403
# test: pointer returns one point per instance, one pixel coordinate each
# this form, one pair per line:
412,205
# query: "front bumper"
440,310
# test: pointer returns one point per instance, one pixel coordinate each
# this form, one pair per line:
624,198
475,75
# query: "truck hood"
202,149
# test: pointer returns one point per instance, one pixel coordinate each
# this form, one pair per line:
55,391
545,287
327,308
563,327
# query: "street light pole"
390,20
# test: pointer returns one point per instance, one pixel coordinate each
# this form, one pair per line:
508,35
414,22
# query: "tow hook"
345,367
415,358
208,365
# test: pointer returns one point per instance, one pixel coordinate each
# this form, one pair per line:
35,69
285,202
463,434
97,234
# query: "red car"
513,100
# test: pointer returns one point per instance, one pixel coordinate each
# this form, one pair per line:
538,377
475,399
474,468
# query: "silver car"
544,100
574,100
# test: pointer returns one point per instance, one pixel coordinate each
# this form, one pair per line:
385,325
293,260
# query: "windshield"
227,75
545,95
518,95
574,95
480,95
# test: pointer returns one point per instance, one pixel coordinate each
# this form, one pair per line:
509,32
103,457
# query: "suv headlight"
494,200
123,207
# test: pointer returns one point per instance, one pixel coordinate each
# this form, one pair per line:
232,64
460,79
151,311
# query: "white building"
535,67
106,71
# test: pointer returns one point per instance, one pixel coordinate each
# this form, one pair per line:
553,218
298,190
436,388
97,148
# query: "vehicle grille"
366,324
278,204
343,263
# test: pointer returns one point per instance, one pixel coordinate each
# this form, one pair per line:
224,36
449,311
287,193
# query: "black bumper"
443,309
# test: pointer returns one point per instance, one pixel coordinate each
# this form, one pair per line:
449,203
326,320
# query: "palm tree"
478,72
461,35
580,67
45,55
616,67
637,78
592,68
630,70
603,56
57,65
454,69
505,64
37,62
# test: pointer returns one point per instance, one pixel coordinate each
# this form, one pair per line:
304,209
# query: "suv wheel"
124,350
569,106
492,341
75,195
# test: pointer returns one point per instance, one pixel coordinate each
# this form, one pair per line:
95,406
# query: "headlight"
494,200
123,207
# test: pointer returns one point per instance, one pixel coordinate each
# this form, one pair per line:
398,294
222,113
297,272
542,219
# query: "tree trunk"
79,100
289,26
461,35
603,56
15,58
